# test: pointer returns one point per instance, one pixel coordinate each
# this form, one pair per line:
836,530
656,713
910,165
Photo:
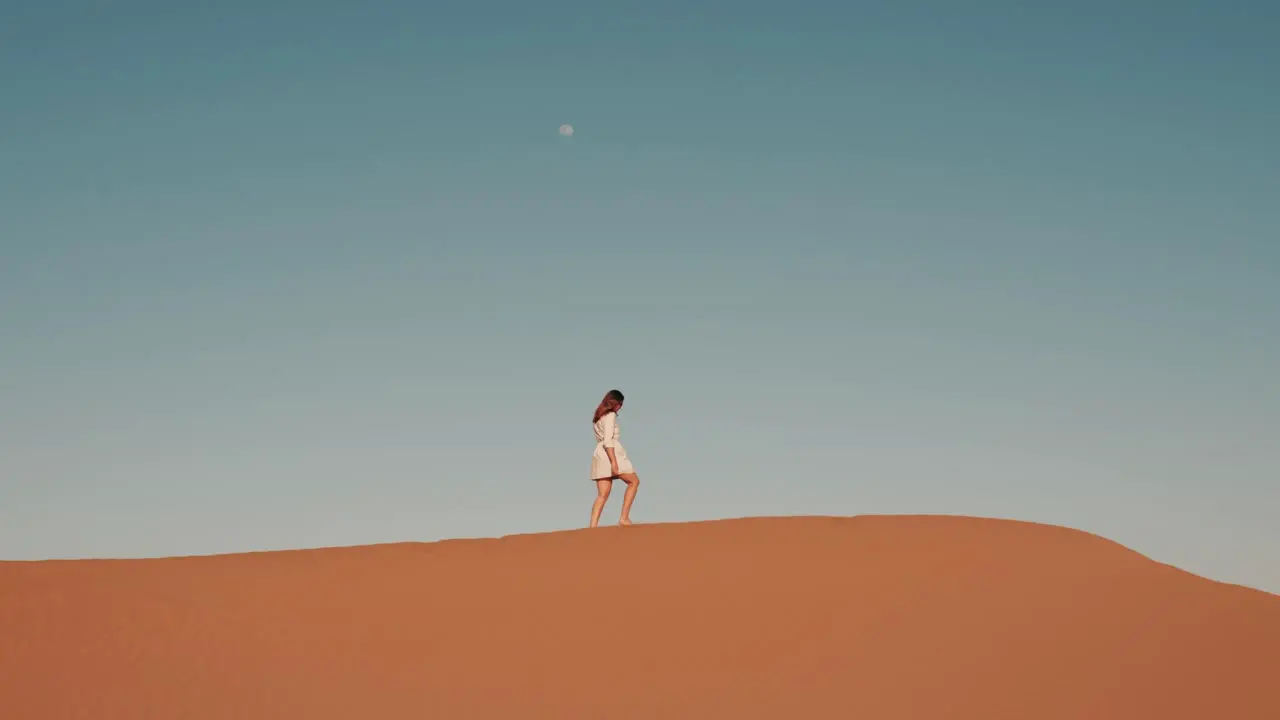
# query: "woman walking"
610,461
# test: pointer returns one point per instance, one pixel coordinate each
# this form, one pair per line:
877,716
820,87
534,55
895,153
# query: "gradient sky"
288,274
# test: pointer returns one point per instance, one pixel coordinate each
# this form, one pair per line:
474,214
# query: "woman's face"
619,408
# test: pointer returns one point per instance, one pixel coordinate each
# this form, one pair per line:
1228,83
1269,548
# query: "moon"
566,130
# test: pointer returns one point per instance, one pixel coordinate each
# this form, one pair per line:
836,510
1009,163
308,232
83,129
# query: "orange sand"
867,617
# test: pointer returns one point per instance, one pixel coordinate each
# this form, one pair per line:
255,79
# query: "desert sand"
881,617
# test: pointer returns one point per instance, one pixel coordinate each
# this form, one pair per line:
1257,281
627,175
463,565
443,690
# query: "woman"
610,461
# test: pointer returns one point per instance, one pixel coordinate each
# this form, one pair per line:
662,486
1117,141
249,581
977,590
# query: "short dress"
607,436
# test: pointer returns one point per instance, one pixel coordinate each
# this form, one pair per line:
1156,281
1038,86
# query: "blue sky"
284,274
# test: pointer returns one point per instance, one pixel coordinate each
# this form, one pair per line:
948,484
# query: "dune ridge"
817,617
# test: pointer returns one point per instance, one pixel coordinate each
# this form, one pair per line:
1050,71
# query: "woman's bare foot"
625,521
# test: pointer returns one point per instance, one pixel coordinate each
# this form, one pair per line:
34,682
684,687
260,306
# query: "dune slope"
880,617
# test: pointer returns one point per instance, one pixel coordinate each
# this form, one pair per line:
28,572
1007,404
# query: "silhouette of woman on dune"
610,461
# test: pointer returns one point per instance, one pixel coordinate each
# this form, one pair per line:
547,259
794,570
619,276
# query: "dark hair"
611,402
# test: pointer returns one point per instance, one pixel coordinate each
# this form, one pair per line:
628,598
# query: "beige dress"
607,436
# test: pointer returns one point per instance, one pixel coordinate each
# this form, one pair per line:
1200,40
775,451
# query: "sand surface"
871,617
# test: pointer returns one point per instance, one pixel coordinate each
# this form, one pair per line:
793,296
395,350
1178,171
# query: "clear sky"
286,274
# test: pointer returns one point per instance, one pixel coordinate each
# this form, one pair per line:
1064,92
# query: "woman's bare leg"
633,484
602,495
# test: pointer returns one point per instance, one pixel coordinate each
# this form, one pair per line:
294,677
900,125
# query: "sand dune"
872,617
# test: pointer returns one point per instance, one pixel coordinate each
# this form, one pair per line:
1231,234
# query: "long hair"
611,402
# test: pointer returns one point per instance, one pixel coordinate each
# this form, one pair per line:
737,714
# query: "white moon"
566,130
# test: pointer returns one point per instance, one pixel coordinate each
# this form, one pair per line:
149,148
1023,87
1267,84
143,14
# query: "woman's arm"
607,423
